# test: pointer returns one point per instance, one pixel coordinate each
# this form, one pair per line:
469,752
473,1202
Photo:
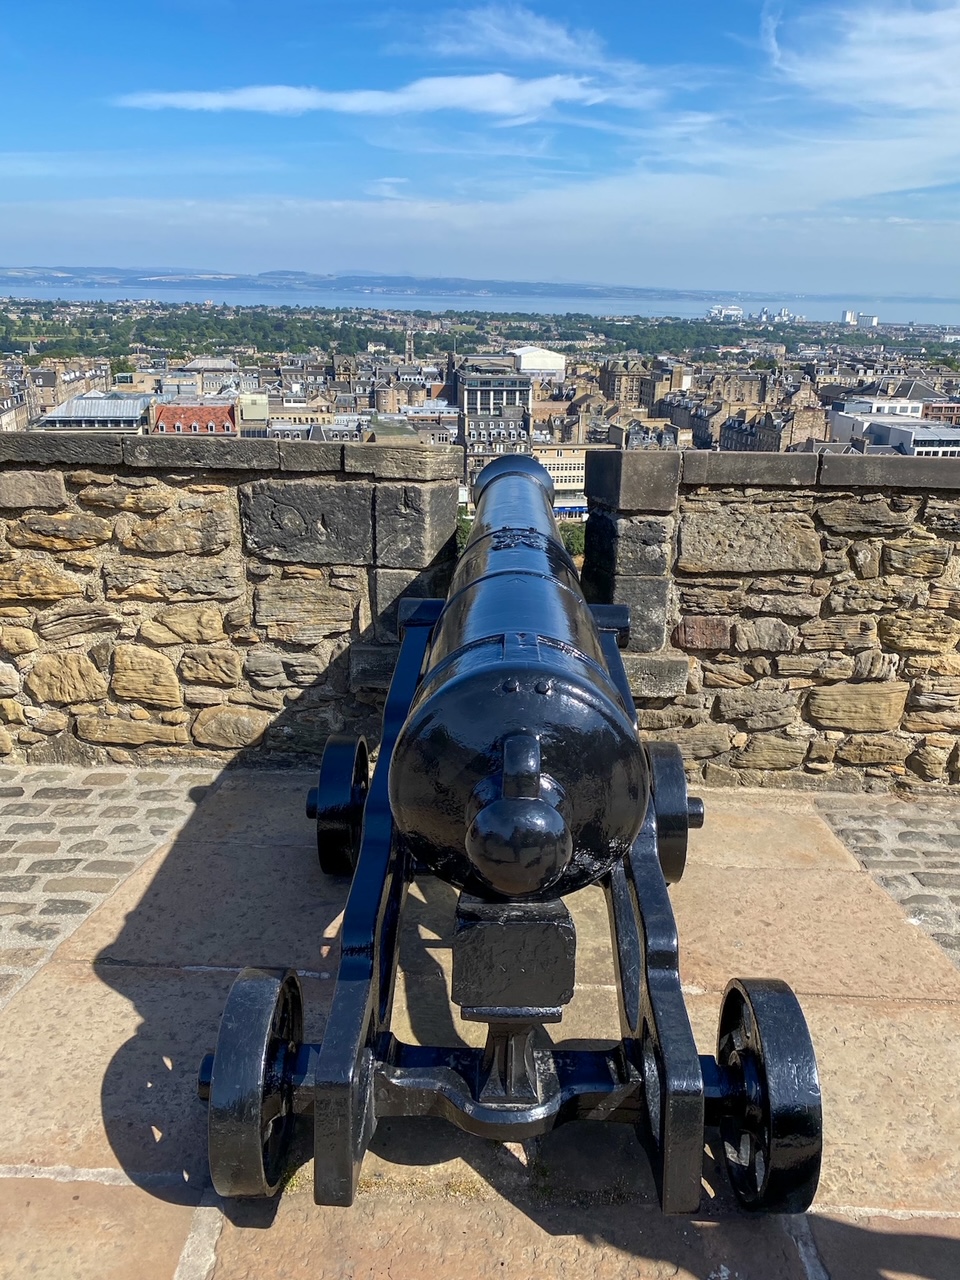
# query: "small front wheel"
772,1126
249,1082
337,803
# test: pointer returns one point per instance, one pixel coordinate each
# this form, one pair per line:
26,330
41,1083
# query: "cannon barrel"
518,772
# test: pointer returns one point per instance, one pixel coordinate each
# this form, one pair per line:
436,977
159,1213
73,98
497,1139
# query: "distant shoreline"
445,295
144,282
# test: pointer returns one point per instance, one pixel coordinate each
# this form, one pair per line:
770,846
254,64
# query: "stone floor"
176,879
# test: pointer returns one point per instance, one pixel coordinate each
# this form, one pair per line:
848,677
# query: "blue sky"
797,145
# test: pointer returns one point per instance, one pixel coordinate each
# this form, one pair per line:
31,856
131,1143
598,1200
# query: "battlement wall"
796,617
169,598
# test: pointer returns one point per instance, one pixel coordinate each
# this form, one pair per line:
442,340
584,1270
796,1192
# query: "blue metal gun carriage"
511,767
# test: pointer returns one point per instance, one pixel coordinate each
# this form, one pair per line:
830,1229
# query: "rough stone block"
744,704
863,708
772,751
33,578
701,742
77,448
701,633
145,500
371,666
873,596
703,466
32,489
648,601
404,462
641,480
67,531
66,677
230,727
882,748
145,676
763,635
214,665
847,633
310,455
943,514
304,611
414,522
871,514
919,631
218,454
657,675
924,558
196,530
309,522
132,581
390,586
195,624
633,545
742,540
114,731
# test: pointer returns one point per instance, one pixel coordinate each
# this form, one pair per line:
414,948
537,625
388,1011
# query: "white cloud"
903,56
514,32
495,94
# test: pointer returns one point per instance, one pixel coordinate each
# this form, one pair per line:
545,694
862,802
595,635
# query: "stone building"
620,381
484,436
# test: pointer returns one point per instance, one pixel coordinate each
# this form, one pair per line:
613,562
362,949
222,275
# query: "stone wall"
195,599
796,619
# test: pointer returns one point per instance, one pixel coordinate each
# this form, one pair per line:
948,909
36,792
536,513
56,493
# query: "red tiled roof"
221,415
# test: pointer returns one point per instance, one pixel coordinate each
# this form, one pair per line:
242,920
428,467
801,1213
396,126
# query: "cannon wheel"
772,1130
251,1084
337,803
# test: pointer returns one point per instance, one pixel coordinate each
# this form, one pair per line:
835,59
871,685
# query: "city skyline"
813,147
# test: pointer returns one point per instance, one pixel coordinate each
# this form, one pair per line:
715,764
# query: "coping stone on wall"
307,455
404,461
879,470
704,466
214,454
639,480
90,447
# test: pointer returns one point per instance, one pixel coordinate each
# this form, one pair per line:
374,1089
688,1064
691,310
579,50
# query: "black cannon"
510,766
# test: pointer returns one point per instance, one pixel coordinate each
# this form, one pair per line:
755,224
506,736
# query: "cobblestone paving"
68,837
912,849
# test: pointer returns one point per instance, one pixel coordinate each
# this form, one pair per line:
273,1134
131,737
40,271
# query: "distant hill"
292,281
144,282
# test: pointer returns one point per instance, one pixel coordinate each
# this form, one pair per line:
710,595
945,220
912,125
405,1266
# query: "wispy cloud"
516,33
494,94
513,33
872,56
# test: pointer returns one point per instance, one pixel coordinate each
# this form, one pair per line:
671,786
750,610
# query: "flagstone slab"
255,807
119,1049
763,832
229,904
407,1236
891,1103
84,1231
875,1247
824,932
